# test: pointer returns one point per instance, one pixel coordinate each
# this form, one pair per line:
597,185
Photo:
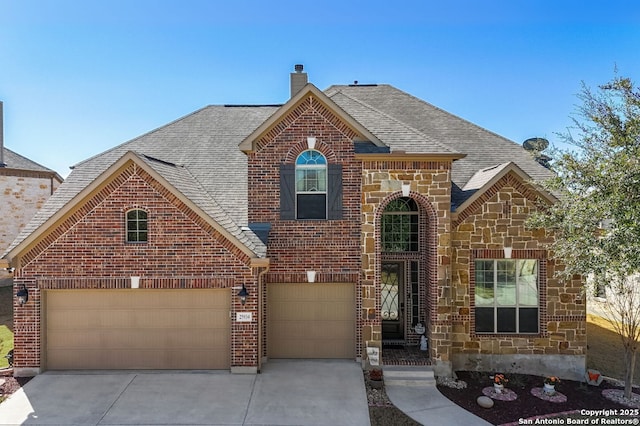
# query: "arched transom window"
400,226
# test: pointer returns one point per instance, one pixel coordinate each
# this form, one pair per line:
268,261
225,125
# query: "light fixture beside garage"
22,295
243,294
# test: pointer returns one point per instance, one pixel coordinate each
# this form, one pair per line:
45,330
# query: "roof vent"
298,79
535,146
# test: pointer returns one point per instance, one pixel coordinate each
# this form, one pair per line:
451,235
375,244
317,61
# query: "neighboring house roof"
15,161
201,155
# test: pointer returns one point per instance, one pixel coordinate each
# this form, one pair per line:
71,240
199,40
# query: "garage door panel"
160,340
163,330
311,320
333,348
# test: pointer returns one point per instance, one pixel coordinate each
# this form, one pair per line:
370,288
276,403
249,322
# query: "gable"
132,167
506,175
309,100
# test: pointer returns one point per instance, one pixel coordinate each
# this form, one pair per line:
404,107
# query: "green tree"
596,221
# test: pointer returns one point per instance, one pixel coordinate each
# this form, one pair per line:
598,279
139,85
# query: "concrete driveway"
298,392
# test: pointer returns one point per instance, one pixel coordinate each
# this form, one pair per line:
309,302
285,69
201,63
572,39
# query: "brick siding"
88,250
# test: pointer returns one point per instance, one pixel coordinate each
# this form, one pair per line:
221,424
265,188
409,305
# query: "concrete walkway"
429,407
413,391
318,392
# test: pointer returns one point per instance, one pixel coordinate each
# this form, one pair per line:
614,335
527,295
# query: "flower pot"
549,389
498,388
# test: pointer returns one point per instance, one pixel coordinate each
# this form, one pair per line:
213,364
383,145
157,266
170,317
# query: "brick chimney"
298,79
2,164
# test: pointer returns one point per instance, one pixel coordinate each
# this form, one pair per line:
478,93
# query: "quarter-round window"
137,226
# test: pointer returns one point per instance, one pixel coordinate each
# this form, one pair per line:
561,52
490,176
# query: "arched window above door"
400,226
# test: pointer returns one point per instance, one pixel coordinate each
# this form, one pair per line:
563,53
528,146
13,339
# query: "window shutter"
287,192
334,189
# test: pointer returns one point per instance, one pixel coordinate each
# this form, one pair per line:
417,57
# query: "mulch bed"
382,412
579,396
11,384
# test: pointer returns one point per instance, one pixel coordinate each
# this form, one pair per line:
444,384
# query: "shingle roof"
204,144
482,177
13,160
483,148
199,154
389,130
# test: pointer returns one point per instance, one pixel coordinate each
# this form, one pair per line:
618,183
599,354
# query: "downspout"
260,310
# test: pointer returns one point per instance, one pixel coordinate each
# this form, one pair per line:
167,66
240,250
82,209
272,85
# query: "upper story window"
506,296
400,226
311,188
311,185
137,226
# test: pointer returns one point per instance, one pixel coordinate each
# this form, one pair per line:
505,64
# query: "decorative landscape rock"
484,401
593,377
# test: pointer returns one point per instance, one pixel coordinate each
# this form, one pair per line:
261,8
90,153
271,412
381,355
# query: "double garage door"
137,329
311,320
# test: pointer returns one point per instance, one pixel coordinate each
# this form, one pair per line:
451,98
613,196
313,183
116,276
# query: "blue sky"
79,77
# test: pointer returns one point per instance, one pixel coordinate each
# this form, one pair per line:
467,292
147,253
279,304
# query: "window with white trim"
137,226
506,296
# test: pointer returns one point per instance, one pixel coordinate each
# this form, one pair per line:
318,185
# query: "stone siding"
431,188
496,220
21,195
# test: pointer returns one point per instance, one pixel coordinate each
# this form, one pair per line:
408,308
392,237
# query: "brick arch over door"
428,249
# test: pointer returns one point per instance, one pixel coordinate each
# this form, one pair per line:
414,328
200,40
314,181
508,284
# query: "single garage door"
137,329
311,320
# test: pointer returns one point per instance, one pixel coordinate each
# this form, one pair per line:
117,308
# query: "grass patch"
6,344
605,352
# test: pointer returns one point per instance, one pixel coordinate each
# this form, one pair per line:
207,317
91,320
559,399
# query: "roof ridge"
395,120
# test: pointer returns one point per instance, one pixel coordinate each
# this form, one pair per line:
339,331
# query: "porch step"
409,375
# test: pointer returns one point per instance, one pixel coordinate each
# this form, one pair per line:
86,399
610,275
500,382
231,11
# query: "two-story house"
24,187
337,222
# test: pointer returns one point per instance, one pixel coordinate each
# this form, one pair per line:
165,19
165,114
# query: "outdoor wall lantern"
22,295
243,294
406,188
311,276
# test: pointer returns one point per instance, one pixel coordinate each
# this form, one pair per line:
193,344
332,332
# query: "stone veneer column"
431,188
